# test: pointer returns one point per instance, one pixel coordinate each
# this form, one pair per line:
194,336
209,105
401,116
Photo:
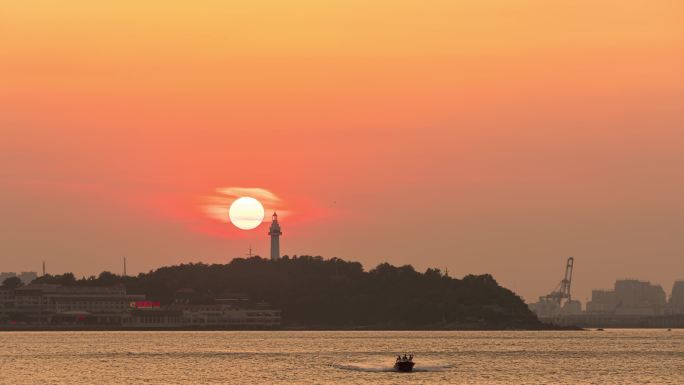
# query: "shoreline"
27,328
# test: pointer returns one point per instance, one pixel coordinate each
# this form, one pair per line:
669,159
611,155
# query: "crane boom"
568,278
563,289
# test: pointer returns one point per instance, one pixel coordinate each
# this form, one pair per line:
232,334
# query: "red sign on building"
145,304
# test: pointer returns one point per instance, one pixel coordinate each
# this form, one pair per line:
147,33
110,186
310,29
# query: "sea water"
269,357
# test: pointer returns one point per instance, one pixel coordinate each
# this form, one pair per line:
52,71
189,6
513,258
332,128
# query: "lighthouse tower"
275,233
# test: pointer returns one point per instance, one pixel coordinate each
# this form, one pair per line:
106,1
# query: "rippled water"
609,357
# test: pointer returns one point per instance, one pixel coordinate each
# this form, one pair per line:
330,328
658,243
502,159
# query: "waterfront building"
190,310
226,316
153,318
185,295
56,304
111,306
226,311
209,316
6,303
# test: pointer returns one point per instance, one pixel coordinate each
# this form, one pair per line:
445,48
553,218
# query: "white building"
275,233
227,316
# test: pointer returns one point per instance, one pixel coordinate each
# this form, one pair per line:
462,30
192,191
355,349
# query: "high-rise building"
629,297
26,277
275,233
5,275
602,301
677,298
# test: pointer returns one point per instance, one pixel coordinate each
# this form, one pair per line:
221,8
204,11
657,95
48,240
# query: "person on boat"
405,358
410,357
399,358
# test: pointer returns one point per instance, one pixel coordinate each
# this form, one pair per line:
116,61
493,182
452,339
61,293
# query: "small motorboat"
404,364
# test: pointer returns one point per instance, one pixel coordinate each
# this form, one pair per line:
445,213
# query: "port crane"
562,291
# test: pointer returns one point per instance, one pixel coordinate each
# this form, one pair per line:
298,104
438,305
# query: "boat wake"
370,367
365,368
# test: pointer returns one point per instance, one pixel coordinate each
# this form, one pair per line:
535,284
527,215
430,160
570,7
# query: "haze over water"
591,357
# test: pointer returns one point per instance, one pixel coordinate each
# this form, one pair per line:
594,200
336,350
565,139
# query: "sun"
246,213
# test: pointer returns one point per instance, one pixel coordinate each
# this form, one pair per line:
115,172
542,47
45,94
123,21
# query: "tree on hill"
333,293
66,279
12,283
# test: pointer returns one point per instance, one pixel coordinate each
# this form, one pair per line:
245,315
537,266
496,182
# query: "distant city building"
630,298
631,303
676,305
571,307
26,277
602,301
275,233
547,308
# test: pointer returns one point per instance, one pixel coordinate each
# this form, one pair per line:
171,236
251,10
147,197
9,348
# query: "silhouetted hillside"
318,293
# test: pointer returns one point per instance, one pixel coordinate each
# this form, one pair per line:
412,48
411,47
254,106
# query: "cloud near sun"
217,205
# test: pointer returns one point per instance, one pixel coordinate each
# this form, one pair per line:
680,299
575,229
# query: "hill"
332,293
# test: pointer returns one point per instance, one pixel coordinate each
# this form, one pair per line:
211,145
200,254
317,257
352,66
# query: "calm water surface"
591,357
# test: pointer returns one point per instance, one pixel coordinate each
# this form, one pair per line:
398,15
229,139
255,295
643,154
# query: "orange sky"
482,136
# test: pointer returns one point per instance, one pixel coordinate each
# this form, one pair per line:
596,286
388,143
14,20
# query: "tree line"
333,293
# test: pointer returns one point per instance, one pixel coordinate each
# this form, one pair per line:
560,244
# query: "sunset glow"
216,206
479,136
